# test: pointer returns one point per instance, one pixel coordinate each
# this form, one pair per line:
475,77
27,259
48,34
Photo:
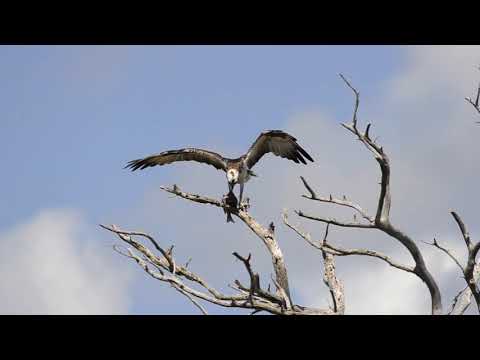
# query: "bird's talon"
245,205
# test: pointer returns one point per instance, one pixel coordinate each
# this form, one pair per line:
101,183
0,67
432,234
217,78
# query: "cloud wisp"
50,264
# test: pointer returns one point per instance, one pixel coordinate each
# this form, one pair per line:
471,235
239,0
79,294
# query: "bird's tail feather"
229,218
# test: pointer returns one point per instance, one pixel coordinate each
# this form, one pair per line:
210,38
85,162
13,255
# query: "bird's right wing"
188,154
280,144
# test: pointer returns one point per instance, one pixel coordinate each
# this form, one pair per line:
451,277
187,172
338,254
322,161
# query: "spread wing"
279,143
189,154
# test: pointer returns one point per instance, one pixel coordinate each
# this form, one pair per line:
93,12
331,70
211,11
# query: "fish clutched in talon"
231,202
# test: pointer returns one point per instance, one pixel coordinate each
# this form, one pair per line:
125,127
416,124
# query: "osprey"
238,170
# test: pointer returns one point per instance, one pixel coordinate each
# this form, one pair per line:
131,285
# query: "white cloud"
433,71
50,265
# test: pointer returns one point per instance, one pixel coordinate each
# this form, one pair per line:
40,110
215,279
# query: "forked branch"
381,221
471,270
266,235
163,267
158,266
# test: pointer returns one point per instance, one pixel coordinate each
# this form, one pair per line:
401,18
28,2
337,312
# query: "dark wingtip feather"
304,153
133,164
300,157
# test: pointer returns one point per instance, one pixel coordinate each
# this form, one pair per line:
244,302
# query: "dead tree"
161,265
381,221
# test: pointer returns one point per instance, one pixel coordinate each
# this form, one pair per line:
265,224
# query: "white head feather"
232,175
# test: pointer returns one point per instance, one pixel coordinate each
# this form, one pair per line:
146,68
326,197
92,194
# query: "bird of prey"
238,170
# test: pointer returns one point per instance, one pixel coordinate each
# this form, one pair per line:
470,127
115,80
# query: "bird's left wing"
279,143
188,154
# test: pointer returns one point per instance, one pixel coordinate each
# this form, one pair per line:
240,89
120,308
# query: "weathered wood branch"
254,298
470,271
330,279
338,251
266,235
334,221
462,301
332,200
475,103
463,230
382,220
446,251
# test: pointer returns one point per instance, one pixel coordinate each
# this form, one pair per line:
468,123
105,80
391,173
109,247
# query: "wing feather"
279,143
188,154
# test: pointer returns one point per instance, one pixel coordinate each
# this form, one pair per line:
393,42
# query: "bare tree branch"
163,264
254,278
365,252
469,270
464,298
338,251
463,230
357,100
334,221
475,104
330,279
382,218
336,201
192,299
266,235
253,297
446,251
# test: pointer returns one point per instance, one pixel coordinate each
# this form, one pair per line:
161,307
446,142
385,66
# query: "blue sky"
72,116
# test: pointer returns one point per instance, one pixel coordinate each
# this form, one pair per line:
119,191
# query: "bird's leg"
241,195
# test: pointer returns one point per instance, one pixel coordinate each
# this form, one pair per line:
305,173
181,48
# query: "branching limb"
462,301
334,221
463,230
175,190
475,103
365,252
265,234
159,267
254,278
469,271
163,264
330,279
192,299
338,251
446,251
357,100
381,221
332,200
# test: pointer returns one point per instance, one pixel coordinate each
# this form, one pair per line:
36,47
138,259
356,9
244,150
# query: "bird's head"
232,176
